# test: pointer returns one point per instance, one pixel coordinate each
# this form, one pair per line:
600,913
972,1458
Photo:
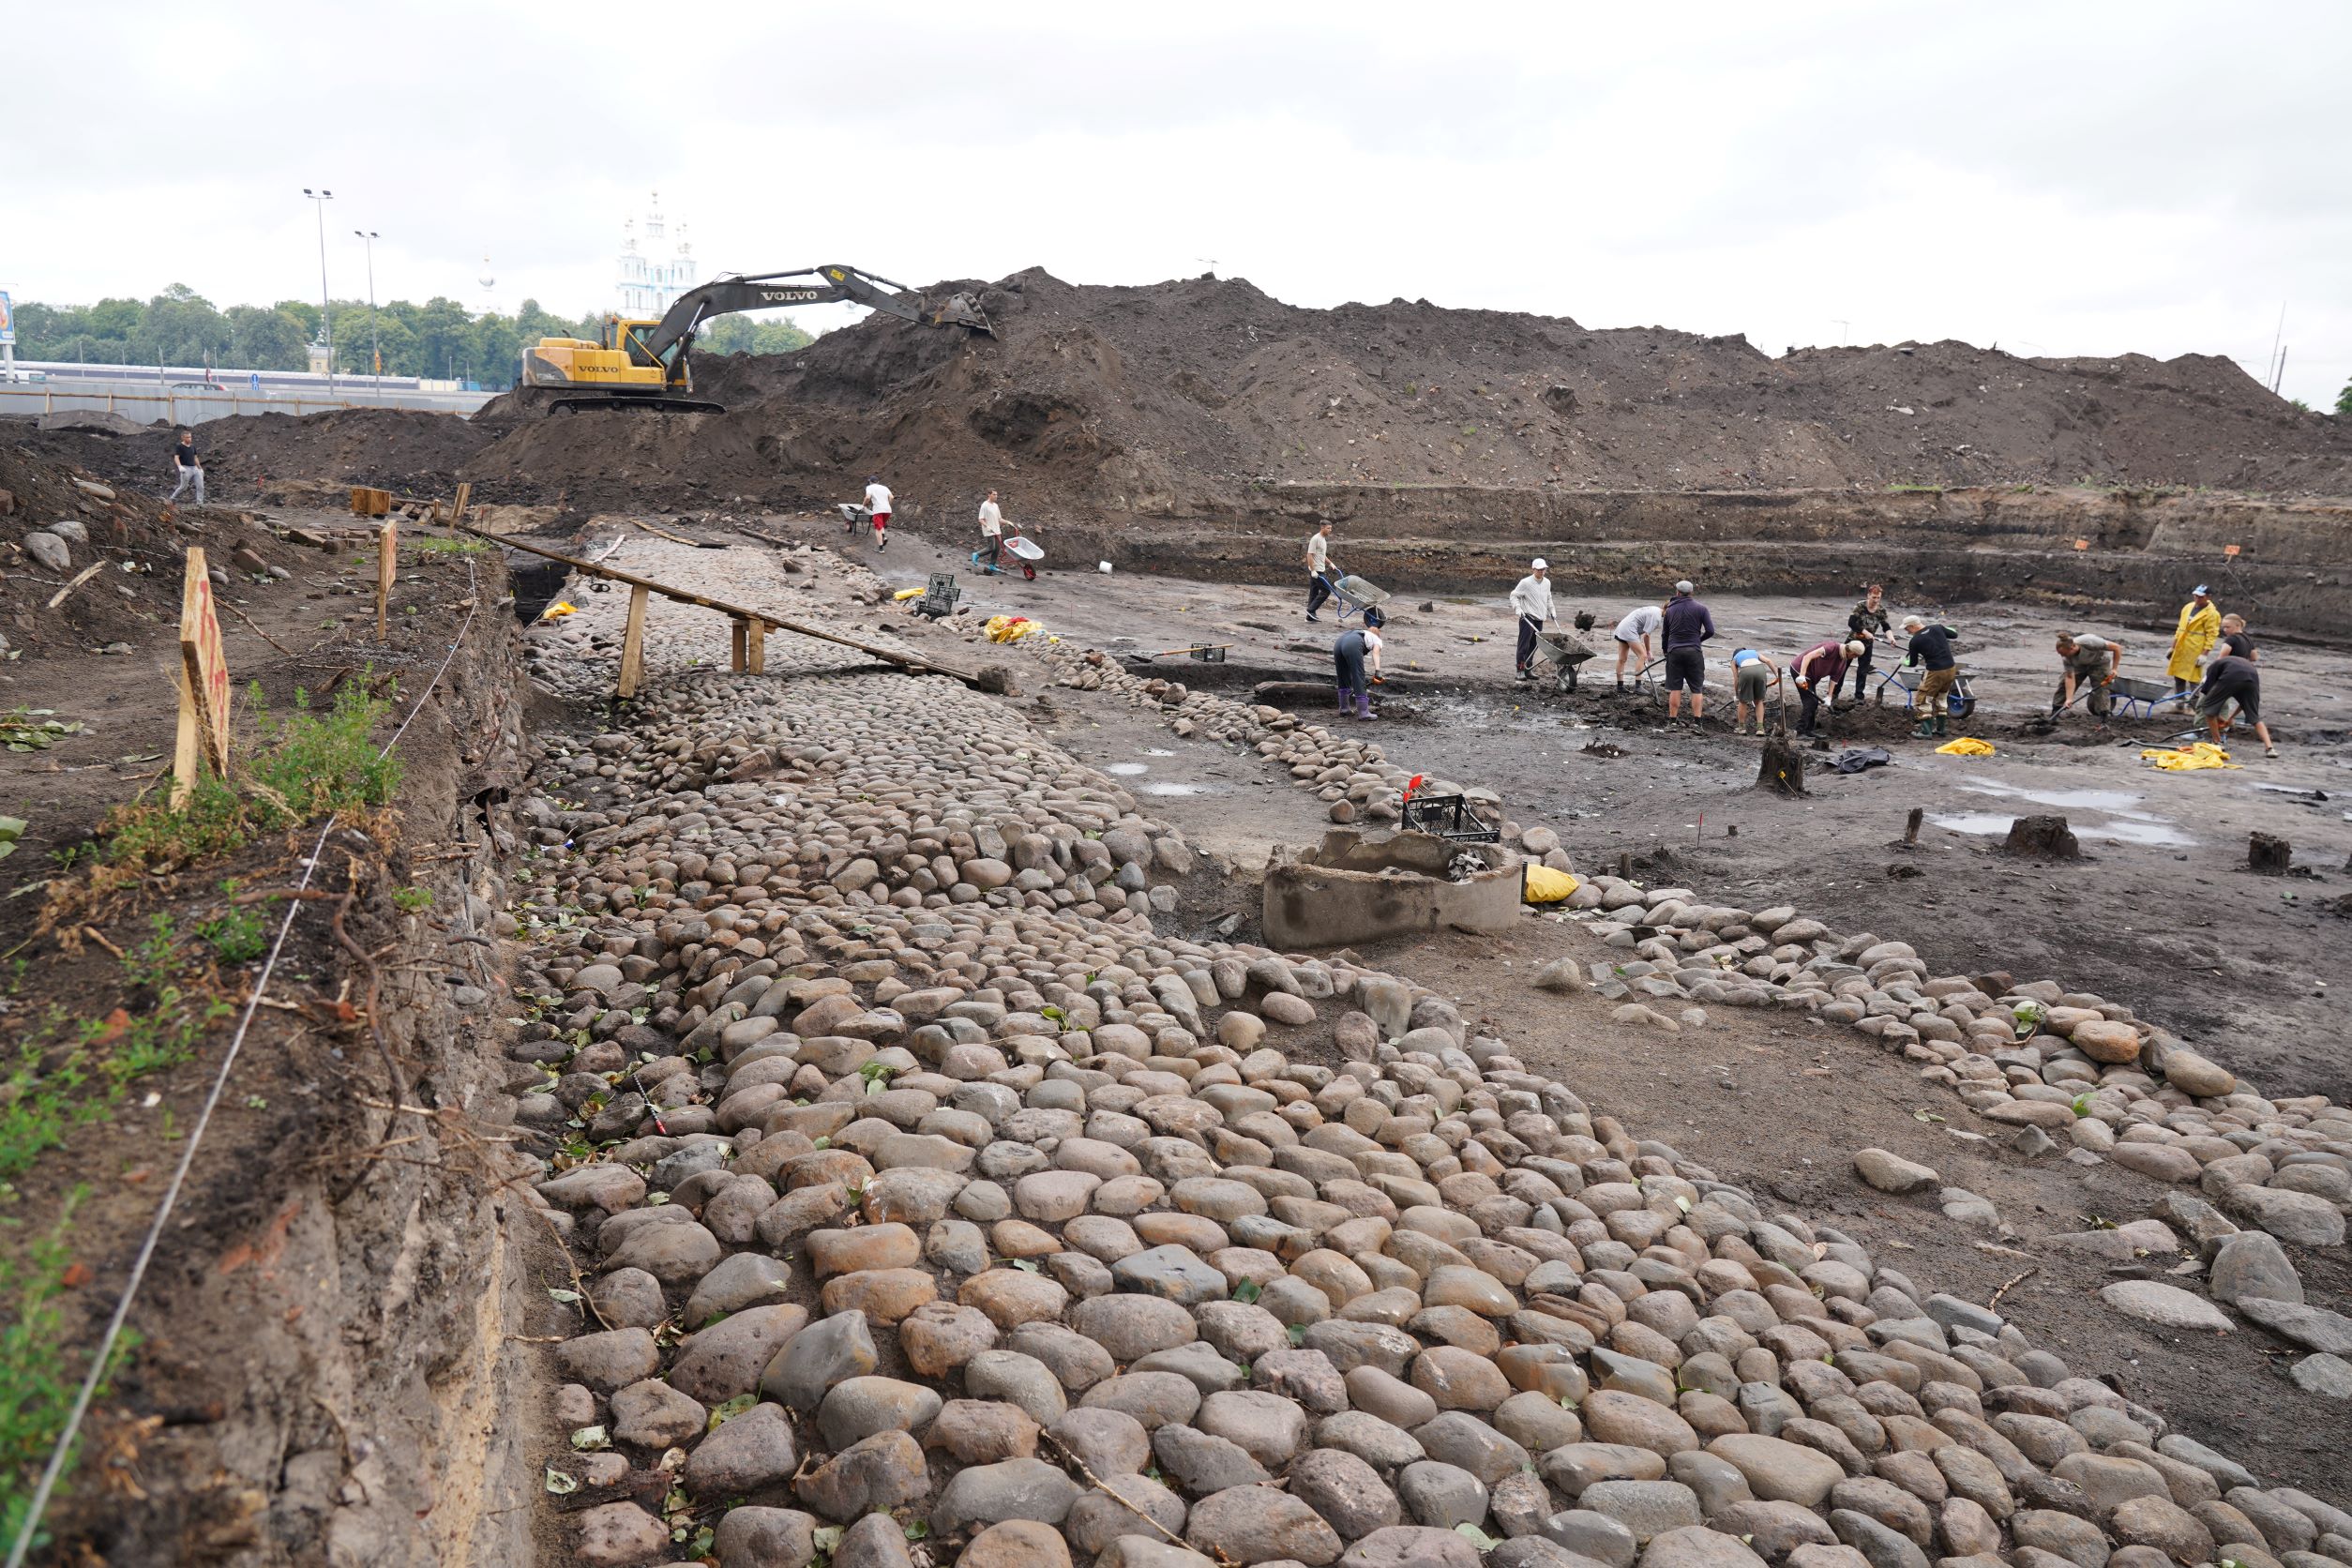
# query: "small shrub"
410,900
237,936
38,1381
462,544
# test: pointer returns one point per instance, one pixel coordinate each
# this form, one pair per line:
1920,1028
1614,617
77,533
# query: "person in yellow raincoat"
2200,624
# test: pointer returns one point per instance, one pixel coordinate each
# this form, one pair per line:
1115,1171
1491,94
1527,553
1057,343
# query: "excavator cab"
618,361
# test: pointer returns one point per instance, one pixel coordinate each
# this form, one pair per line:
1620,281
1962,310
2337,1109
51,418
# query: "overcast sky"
2060,178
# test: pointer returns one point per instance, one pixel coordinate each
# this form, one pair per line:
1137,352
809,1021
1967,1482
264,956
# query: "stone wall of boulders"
935,1207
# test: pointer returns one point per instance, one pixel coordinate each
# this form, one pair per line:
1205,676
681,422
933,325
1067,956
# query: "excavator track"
590,403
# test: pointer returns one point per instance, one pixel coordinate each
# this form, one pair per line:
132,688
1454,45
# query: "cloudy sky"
2059,178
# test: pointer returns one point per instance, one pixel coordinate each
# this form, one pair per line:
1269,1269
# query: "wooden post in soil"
1910,825
1783,766
633,644
738,641
756,647
203,682
2270,856
388,571
464,498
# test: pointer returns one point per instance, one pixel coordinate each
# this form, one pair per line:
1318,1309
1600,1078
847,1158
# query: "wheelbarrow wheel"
1568,679
1959,705
1029,571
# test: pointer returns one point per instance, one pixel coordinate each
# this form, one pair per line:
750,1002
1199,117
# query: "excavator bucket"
963,310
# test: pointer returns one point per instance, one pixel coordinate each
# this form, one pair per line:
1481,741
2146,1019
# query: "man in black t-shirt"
2231,679
189,466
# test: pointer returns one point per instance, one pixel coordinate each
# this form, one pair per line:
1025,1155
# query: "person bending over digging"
1633,638
2231,679
1930,649
2089,662
1350,652
1753,676
1824,662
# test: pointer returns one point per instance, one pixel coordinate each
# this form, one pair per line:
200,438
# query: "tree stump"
2268,855
1782,769
2044,838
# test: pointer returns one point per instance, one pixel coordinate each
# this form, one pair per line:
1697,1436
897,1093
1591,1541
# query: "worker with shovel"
1822,662
2088,663
2231,679
1533,600
1930,648
1351,652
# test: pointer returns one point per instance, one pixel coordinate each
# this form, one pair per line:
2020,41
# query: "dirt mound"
1166,398
128,530
394,448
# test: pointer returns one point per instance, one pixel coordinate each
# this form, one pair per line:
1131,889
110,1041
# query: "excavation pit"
1356,887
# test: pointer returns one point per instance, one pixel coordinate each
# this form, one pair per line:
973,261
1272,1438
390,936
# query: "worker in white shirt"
991,529
1318,570
1633,638
878,502
1532,600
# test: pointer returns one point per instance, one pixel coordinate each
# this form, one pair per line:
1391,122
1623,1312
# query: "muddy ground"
2160,912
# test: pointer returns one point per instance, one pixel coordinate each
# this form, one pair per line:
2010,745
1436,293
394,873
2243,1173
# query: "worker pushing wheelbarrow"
1352,595
999,539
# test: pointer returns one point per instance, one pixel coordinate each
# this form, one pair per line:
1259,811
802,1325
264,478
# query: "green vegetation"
236,936
37,1383
33,728
2343,399
1915,490
408,900
461,544
308,766
440,338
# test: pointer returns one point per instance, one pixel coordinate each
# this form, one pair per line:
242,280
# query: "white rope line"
56,1466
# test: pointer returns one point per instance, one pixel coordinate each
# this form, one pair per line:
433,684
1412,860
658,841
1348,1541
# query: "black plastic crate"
1450,817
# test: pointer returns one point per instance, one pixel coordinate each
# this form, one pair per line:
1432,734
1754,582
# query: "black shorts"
1685,670
2246,694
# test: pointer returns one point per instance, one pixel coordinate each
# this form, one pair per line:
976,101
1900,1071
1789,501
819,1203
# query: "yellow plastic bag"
1010,628
557,610
1966,746
909,594
1548,886
2194,759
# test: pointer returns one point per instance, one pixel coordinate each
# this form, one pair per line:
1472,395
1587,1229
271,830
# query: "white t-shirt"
1371,641
878,498
1640,623
992,519
1318,551
1533,596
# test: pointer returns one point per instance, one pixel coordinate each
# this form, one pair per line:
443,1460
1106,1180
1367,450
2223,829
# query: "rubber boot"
1363,706
1943,726
1923,729
1346,701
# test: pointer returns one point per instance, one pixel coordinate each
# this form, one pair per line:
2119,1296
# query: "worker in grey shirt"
2088,661
1318,570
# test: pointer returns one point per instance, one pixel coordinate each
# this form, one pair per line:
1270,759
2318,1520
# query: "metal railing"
192,408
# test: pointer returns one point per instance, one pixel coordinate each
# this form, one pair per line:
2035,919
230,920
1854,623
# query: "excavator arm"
668,340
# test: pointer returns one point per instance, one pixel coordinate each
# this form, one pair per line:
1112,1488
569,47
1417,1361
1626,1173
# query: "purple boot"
1363,706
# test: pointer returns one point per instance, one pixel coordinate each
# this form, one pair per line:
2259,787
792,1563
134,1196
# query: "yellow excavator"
643,364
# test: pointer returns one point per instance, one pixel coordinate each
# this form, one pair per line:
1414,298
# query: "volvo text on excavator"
643,364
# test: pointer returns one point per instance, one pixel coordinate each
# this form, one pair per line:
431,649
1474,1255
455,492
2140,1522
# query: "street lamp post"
319,199
375,347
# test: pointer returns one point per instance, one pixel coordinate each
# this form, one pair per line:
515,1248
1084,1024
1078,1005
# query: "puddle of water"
2122,831
1176,790
2065,800
1127,770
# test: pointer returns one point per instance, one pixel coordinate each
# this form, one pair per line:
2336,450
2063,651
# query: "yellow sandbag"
1966,746
909,593
557,610
1548,886
1010,628
2194,759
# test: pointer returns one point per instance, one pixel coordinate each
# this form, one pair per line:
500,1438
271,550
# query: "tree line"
439,339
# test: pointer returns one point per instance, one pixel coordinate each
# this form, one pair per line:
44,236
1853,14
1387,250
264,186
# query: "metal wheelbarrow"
1561,653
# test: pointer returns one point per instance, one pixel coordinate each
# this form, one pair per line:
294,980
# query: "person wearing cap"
1634,633
1687,628
2087,661
1824,662
2200,628
1930,649
1867,623
1753,676
1532,600
1352,651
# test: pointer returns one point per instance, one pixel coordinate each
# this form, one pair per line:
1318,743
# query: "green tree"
262,338
751,334
2343,399
180,327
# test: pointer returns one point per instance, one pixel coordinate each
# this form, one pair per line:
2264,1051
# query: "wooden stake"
756,647
633,644
464,498
1910,825
738,653
387,569
203,684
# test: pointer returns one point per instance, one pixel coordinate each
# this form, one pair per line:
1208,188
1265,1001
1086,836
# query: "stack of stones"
934,1206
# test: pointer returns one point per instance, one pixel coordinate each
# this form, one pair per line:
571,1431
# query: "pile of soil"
1163,397
131,531
401,449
